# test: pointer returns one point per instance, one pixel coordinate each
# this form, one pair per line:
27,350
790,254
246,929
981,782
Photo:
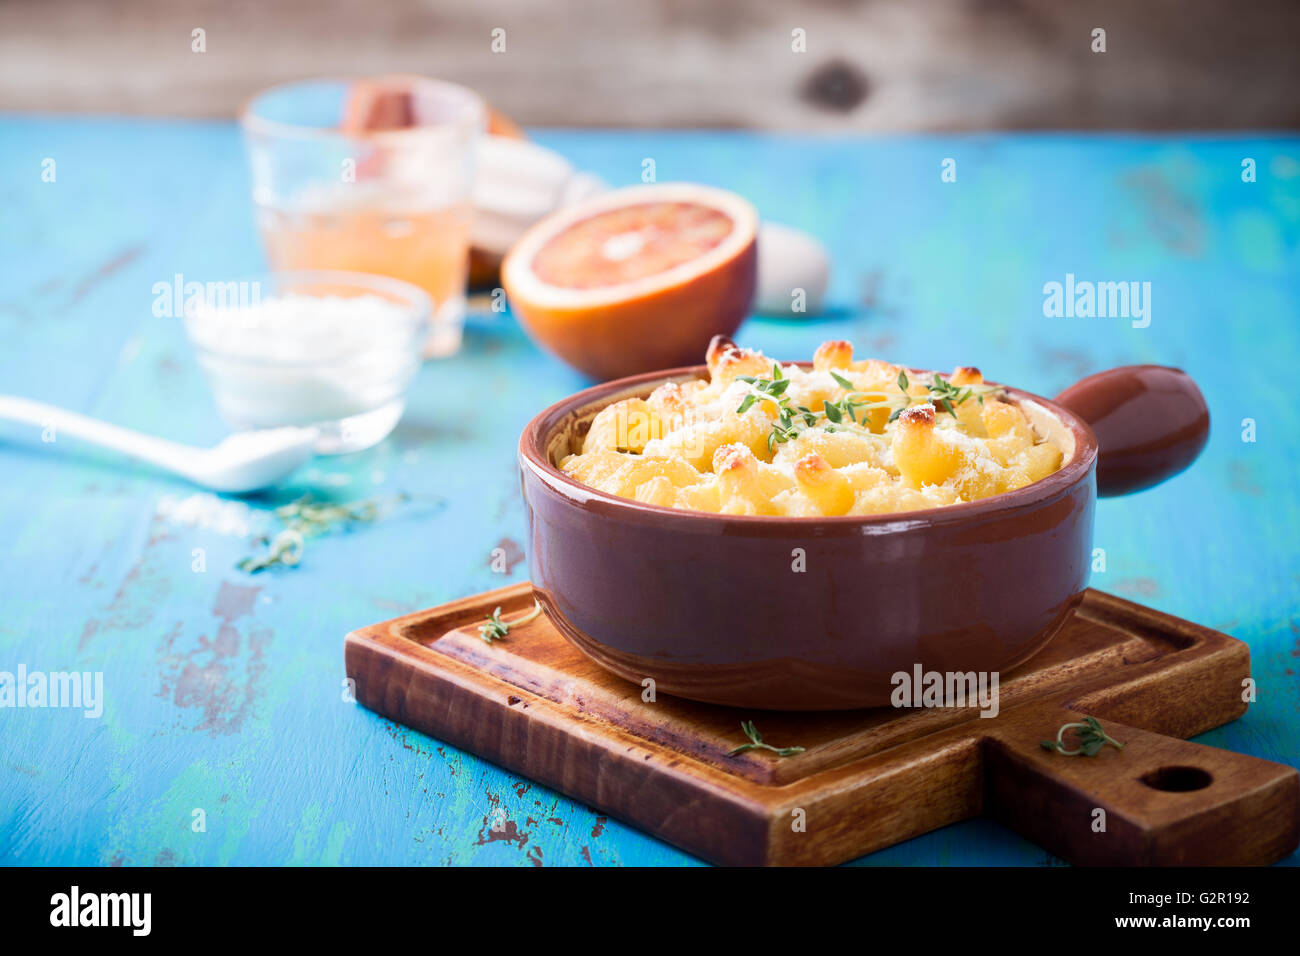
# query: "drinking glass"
330,193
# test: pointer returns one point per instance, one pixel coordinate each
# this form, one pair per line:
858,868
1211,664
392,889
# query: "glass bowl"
333,350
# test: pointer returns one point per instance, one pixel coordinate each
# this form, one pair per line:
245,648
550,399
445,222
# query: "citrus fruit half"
636,279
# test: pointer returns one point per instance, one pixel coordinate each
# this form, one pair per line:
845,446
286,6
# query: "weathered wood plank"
892,65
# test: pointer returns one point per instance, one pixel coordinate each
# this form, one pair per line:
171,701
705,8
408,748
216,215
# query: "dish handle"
1151,422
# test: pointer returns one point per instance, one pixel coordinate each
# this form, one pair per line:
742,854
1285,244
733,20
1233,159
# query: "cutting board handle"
1160,801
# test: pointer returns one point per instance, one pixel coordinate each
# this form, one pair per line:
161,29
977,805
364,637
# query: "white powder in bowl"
301,359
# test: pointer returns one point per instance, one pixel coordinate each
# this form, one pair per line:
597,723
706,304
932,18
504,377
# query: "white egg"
790,261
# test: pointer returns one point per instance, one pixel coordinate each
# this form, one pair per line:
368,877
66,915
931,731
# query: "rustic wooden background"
885,65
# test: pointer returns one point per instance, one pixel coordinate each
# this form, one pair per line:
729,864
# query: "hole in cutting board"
1177,779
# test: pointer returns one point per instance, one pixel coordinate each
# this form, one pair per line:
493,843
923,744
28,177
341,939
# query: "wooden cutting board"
870,778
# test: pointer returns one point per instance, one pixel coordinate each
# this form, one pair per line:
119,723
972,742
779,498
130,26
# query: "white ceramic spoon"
246,461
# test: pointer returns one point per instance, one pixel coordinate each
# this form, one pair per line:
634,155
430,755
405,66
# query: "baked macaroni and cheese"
847,437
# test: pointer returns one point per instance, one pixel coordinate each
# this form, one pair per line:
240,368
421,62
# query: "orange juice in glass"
370,176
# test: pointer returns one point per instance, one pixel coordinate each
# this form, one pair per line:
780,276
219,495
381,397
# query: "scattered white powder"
331,479
208,512
301,359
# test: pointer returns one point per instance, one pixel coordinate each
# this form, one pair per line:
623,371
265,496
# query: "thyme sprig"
791,420
285,550
773,389
495,629
945,393
850,404
1091,739
307,518
756,742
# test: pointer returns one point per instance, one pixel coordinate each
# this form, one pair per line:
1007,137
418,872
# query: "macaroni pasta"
848,437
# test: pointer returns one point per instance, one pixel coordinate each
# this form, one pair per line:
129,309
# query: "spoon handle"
56,422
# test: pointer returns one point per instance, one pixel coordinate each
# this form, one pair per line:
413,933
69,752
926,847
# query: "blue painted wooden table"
223,700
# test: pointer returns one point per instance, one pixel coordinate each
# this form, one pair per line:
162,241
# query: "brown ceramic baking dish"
711,607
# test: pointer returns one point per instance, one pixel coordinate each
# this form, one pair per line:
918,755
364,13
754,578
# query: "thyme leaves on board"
495,629
1091,739
756,743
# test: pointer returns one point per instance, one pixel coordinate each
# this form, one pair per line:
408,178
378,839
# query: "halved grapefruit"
636,279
